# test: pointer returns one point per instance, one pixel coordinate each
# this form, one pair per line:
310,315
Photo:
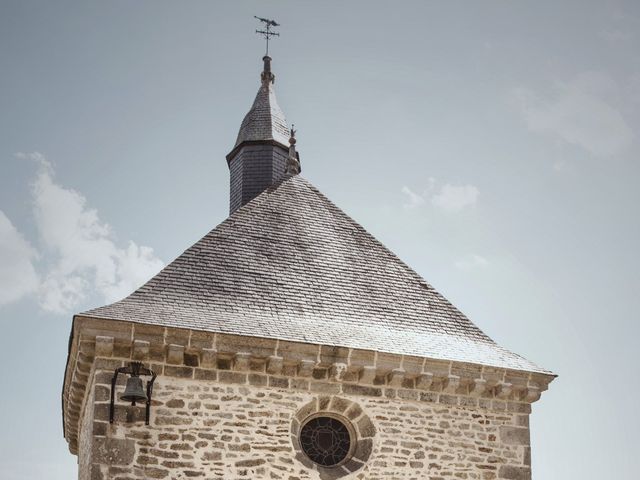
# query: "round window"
326,440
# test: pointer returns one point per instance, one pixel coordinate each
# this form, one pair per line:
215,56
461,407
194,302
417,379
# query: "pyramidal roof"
265,120
291,265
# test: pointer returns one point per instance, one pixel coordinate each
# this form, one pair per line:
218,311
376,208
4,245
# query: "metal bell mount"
134,390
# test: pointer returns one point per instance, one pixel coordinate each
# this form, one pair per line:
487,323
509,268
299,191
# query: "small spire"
293,161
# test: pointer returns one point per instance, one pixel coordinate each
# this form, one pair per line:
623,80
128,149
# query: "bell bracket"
134,369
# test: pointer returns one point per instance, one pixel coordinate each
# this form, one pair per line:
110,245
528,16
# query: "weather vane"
267,33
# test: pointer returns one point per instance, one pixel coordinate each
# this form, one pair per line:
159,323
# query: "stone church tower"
288,343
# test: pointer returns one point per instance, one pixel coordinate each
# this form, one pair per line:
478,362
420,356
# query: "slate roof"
265,120
293,266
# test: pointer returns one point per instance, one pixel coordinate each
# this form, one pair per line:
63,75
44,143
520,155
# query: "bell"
134,392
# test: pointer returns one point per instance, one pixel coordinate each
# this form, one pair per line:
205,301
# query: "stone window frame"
361,430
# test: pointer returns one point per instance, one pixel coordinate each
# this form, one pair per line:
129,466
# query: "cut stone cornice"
99,345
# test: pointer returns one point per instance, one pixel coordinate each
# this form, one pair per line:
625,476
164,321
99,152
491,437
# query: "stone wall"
229,425
230,407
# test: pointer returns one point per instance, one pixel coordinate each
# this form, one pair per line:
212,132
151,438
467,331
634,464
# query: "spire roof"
291,265
265,120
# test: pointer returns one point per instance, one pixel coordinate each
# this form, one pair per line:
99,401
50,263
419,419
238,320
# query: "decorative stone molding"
504,390
175,354
368,374
282,364
396,377
140,350
209,357
478,388
424,381
104,346
337,372
305,368
451,384
242,361
274,365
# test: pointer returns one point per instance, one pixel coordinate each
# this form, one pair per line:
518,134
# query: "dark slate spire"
259,157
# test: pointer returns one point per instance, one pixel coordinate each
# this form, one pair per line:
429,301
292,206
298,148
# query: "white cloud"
79,250
448,197
453,198
471,262
578,114
18,276
414,199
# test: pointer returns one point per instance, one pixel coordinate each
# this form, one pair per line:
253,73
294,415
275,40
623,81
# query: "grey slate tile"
291,265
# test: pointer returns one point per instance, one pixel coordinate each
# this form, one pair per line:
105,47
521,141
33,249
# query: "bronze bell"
134,392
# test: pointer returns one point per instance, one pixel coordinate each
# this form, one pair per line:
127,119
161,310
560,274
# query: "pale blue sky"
492,145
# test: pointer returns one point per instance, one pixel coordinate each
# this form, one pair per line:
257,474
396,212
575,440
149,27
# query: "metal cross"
267,33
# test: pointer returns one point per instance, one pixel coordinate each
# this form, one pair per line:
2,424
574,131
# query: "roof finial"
267,33
266,75
293,161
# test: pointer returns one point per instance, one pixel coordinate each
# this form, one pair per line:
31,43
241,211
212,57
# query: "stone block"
531,394
330,355
325,387
517,378
362,390
424,381
363,449
367,374
337,372
395,377
503,390
104,346
200,340
293,351
242,361
113,451
478,387
274,364
412,365
259,347
175,354
279,382
153,334
179,372
209,357
96,473
439,368
140,350
451,384
362,358
232,377
90,328
204,374
306,367
514,435
511,472
177,336
257,380
385,362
